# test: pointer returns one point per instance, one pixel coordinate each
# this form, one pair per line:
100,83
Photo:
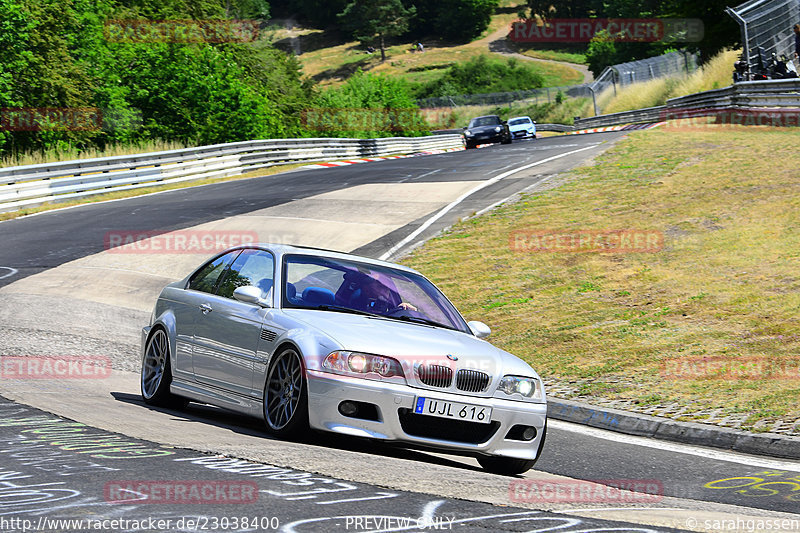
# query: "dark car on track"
486,130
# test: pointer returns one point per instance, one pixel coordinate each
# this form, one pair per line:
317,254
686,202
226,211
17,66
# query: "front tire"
286,396
156,373
506,466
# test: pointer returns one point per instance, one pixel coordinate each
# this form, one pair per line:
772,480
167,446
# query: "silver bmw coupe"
308,338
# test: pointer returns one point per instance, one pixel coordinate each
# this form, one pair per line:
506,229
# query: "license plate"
453,410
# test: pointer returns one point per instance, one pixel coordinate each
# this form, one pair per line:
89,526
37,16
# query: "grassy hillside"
722,291
329,59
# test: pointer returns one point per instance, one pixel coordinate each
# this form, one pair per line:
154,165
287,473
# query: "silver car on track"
308,338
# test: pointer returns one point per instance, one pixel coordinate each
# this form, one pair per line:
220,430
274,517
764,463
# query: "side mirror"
479,329
249,294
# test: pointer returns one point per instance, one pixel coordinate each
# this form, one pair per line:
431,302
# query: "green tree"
483,74
464,20
720,30
602,52
367,19
367,106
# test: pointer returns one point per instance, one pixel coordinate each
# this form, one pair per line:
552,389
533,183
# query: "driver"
378,298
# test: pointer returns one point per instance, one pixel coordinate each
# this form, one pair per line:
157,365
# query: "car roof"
289,249
515,118
487,116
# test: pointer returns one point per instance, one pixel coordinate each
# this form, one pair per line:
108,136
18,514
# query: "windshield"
353,287
484,121
519,121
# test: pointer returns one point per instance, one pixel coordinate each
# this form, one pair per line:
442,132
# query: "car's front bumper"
394,401
485,138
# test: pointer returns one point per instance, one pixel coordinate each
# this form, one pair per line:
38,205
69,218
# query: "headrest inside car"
318,296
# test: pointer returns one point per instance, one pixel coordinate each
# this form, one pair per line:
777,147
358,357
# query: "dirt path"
498,44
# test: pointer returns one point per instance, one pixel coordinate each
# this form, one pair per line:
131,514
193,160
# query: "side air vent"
472,381
435,375
267,335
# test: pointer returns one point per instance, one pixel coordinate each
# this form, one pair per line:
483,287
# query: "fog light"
348,408
521,432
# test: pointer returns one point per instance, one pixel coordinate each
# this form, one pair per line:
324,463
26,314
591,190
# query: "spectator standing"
796,29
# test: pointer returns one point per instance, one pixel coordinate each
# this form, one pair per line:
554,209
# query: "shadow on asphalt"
250,426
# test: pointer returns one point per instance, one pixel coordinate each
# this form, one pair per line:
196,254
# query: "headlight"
468,133
363,365
498,129
521,388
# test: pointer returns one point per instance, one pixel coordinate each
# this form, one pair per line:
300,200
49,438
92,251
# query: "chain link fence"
532,96
671,64
766,27
667,65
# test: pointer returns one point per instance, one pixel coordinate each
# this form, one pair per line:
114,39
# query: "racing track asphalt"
34,244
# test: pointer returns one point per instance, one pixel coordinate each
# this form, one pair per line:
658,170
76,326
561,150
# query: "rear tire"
156,375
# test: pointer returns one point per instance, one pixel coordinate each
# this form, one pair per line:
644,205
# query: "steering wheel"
398,311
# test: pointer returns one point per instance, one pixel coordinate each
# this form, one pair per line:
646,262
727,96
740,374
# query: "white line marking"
422,175
688,449
380,496
461,198
507,198
430,511
11,272
600,509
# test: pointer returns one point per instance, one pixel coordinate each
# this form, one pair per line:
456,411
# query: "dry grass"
53,156
650,93
724,286
717,73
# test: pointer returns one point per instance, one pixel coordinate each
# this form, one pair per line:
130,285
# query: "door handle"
205,309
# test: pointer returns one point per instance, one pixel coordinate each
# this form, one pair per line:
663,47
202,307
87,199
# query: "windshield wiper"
421,321
341,309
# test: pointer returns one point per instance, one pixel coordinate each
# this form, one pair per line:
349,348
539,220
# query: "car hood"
485,129
409,342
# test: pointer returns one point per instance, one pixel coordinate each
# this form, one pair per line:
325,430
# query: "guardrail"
561,128
539,127
746,95
32,185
